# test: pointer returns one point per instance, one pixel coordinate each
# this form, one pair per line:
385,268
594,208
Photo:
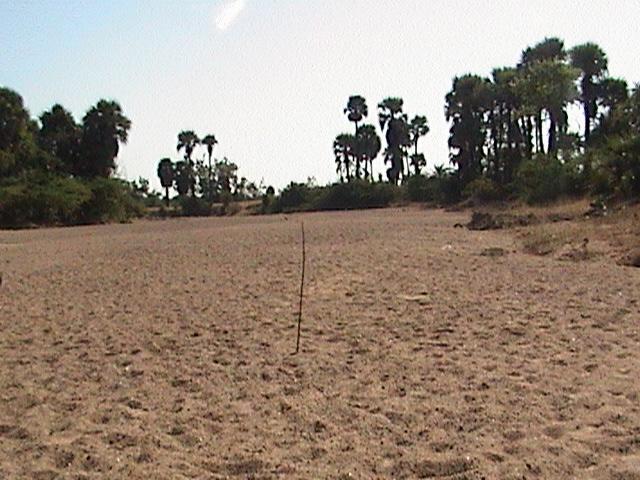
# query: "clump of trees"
55,170
201,182
511,133
355,153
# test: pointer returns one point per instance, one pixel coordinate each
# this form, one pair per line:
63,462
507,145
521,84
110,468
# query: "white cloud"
228,12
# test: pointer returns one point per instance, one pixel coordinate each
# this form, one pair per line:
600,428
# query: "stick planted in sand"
301,289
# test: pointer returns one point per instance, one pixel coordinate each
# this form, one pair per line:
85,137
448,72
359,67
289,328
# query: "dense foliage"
511,134
205,186
513,130
54,170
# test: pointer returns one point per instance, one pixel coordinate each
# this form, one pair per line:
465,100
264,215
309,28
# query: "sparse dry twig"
301,288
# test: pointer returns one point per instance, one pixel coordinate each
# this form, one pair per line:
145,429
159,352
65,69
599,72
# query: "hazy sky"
270,78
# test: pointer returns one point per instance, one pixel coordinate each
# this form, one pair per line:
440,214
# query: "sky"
270,78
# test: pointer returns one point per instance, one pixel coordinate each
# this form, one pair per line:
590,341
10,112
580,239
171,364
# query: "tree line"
511,134
513,129
213,180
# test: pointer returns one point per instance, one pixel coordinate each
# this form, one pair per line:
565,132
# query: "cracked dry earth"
163,350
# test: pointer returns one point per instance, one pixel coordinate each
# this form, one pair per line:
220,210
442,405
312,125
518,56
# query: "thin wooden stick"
301,289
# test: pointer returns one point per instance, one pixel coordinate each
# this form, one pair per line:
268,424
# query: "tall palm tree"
592,62
187,141
356,110
209,141
369,146
394,120
418,127
104,128
344,150
548,50
166,173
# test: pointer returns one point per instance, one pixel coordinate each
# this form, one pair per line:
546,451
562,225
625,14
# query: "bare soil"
163,350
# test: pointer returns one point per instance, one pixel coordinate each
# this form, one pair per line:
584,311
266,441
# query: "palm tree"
166,173
184,179
465,108
344,150
369,146
548,50
394,120
356,110
210,141
187,141
592,62
418,127
104,128
60,136
418,162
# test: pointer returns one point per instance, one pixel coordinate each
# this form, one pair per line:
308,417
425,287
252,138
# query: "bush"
339,196
447,189
483,190
356,194
40,198
420,189
541,180
617,170
112,200
193,206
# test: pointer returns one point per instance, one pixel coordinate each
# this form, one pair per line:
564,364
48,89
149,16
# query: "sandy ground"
163,350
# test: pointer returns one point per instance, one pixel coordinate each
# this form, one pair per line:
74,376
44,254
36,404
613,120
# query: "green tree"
184,177
418,127
14,130
104,128
466,106
548,50
550,86
187,141
166,174
210,141
394,121
344,151
369,146
356,110
60,136
592,63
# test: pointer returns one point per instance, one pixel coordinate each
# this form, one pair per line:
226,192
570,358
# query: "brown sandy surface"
162,350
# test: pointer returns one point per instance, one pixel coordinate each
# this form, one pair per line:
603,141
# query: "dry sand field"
162,350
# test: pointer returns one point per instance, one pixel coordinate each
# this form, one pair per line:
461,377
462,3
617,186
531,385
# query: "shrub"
41,198
112,200
295,196
356,194
541,180
483,190
447,189
193,206
618,167
420,189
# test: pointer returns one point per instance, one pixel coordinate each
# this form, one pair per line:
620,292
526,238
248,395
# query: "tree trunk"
346,168
587,122
553,127
539,136
210,186
166,196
